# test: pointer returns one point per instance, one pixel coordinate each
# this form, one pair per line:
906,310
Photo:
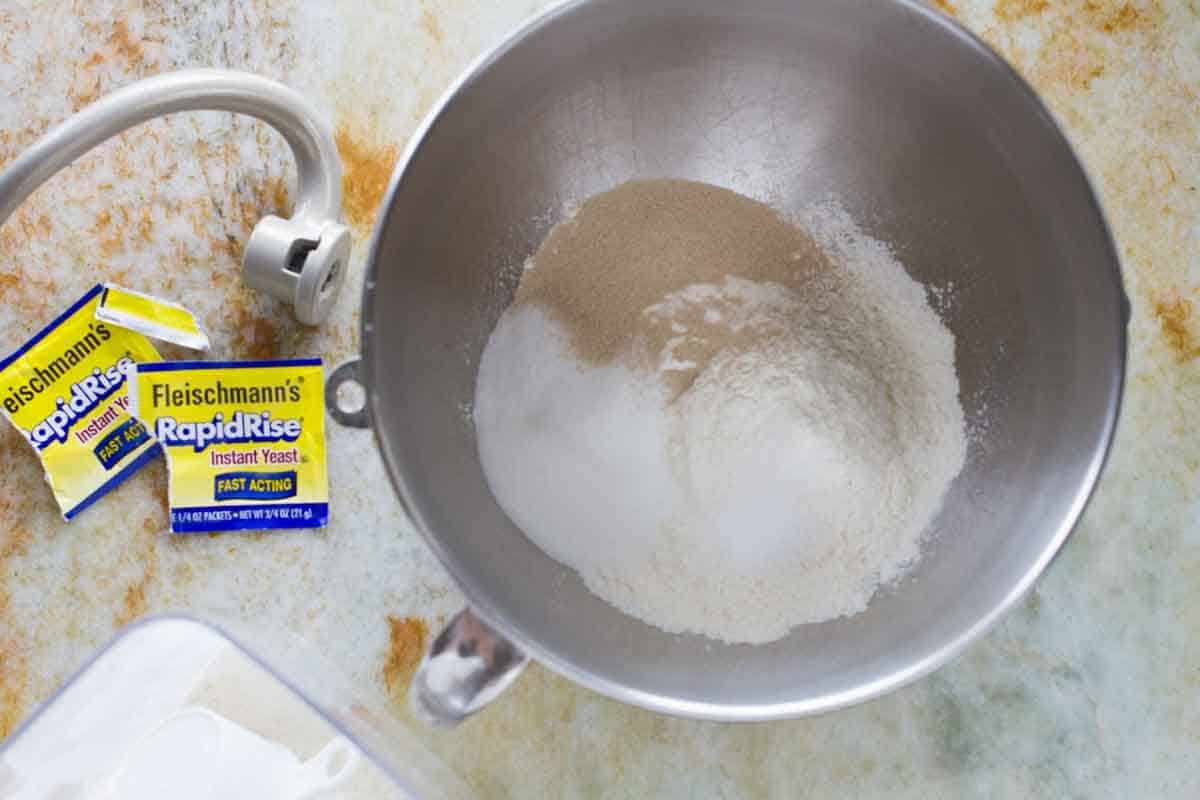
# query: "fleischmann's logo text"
166,396
47,374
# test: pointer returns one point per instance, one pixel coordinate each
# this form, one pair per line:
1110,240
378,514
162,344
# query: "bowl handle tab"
468,666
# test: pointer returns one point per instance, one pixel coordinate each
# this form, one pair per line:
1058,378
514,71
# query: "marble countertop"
1091,689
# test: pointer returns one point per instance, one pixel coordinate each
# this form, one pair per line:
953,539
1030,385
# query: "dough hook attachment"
302,260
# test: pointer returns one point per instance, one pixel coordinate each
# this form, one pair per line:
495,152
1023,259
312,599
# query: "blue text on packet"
128,436
209,519
254,485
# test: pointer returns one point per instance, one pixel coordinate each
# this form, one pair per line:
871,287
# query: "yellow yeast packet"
65,390
245,441
158,319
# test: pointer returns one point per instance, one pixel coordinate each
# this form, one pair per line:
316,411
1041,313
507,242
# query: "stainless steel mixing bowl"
925,136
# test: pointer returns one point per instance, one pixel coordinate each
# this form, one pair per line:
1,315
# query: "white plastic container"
175,707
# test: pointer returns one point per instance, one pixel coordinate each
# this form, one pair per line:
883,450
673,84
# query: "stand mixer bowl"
927,138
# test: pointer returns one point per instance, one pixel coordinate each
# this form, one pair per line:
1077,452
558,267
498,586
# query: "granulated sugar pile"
726,423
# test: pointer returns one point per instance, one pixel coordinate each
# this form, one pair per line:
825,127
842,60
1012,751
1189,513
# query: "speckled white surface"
1091,689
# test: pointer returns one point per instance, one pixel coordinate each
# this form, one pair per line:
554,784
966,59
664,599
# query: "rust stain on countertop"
14,669
367,167
406,645
431,26
1174,315
134,602
14,660
255,336
1077,37
1120,16
1013,10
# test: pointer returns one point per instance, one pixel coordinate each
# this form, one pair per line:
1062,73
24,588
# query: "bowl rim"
817,704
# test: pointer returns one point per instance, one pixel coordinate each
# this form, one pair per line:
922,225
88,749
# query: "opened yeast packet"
64,390
158,319
244,440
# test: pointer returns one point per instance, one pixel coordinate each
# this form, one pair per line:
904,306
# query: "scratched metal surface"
1090,690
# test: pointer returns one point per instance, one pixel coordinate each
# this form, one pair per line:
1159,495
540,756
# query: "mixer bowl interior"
931,143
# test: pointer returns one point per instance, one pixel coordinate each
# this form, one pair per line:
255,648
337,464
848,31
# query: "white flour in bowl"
751,454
